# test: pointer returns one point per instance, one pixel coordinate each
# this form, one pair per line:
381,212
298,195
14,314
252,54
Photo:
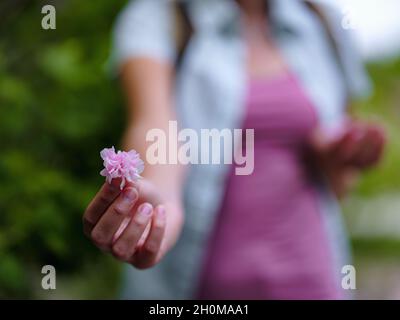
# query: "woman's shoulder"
144,27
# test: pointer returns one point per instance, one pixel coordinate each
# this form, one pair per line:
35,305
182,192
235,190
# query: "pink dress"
269,241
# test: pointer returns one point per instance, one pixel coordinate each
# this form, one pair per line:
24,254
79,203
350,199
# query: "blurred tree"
384,107
59,108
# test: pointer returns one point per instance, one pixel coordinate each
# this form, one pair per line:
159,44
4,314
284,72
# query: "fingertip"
145,209
130,193
112,188
116,182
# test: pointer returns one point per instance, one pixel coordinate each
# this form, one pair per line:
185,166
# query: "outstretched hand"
130,224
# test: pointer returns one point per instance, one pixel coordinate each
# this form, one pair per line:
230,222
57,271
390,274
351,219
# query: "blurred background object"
60,106
376,25
373,210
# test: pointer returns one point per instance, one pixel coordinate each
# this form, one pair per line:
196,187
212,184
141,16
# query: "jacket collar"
224,16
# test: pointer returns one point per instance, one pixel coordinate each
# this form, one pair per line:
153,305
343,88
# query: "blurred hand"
130,224
358,147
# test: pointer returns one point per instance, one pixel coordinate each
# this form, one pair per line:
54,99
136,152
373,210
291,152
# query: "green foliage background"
59,106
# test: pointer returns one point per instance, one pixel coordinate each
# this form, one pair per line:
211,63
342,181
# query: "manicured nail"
129,194
114,184
145,209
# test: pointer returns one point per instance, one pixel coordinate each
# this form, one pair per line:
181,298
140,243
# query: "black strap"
184,30
328,31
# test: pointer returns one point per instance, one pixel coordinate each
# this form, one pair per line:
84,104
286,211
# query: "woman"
278,67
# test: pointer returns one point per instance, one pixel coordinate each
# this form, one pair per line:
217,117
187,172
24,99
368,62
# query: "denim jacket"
210,92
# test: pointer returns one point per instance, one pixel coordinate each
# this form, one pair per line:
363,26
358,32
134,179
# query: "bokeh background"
60,104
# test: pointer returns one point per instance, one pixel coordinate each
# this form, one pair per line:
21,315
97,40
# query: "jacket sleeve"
144,28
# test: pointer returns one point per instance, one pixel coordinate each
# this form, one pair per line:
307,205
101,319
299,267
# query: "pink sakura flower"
125,165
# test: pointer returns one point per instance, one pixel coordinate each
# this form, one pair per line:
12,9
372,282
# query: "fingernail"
145,209
114,184
130,194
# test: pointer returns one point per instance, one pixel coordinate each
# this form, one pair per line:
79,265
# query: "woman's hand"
130,224
359,147
143,222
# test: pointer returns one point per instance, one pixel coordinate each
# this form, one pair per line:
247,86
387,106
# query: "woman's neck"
254,10
254,17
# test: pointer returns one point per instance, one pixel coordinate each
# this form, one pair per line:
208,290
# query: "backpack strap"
320,14
325,24
183,29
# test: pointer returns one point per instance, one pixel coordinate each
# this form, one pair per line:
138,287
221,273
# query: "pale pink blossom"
125,165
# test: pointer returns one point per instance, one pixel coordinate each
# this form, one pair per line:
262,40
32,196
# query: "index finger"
101,201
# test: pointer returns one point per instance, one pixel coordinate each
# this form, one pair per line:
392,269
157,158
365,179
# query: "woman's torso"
269,241
210,94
